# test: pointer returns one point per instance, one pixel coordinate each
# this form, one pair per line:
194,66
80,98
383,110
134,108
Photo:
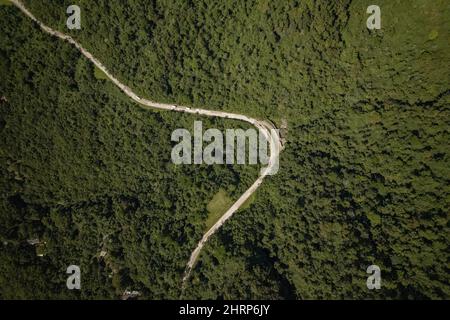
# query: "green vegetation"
248,202
87,171
5,3
364,177
99,74
218,205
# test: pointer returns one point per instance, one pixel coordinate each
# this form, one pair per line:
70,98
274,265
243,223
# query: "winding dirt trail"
267,129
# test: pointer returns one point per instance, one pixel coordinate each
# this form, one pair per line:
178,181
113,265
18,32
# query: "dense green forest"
86,171
364,178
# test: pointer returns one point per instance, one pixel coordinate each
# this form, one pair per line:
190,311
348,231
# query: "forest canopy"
364,177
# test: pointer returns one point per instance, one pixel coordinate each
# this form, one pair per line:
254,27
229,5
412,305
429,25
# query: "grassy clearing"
217,207
5,3
99,74
248,202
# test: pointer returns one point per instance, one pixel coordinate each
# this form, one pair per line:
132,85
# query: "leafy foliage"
364,177
86,171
